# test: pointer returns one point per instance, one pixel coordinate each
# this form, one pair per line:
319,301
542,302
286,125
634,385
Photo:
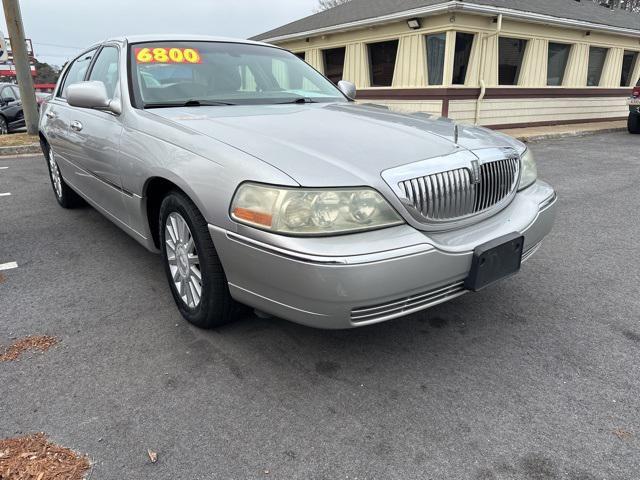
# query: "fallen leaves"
20,346
622,434
35,458
153,456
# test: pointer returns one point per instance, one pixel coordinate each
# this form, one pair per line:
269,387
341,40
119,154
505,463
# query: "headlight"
529,170
307,212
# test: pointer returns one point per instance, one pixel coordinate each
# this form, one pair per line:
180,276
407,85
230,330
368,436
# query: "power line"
57,46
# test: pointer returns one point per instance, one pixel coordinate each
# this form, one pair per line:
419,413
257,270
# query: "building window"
464,42
511,54
436,46
597,57
301,55
382,62
558,58
334,64
628,66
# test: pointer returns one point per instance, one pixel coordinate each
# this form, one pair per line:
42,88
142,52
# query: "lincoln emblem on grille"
475,172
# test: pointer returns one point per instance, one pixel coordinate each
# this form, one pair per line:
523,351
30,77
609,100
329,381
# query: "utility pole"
15,29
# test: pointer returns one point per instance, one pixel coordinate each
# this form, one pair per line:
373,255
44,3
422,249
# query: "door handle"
76,125
51,115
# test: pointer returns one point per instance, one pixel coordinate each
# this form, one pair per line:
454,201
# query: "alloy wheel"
4,129
56,179
184,263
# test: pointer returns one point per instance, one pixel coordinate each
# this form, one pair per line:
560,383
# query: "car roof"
166,37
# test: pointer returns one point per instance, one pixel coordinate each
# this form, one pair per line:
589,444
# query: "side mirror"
8,99
91,95
348,88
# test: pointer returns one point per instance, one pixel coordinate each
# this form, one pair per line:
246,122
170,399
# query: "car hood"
336,144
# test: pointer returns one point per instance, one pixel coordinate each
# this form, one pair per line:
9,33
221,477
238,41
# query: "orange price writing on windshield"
167,55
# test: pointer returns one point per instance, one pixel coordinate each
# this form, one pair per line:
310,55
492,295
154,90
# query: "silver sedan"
261,183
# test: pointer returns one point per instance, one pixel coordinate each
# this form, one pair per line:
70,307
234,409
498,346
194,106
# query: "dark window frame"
325,64
465,65
372,67
438,79
566,63
632,68
592,49
518,65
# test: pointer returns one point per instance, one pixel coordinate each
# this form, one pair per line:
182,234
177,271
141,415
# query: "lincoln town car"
261,183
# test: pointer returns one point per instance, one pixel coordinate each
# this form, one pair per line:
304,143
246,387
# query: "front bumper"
367,278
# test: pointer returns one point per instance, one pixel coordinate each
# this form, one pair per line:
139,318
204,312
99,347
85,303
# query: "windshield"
203,73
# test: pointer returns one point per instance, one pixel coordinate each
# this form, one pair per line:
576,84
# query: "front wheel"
4,126
634,123
193,268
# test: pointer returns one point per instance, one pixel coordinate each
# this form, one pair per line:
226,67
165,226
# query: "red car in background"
634,110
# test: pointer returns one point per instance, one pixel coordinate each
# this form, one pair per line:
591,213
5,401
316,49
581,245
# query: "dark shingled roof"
357,10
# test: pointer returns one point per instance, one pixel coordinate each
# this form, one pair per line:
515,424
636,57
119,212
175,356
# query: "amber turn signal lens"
253,217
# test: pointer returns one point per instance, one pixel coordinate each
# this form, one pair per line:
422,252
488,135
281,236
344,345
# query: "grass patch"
17,139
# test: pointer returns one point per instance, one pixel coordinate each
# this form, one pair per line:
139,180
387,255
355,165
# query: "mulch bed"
20,346
35,458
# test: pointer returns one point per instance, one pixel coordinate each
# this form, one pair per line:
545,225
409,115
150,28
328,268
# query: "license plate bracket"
494,261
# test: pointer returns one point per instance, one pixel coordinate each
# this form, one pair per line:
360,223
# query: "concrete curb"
32,148
553,136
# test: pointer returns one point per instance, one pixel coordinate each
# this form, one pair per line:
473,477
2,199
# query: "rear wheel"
634,123
193,268
65,196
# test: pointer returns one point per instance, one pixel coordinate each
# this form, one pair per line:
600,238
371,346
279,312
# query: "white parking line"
3,168
4,194
8,266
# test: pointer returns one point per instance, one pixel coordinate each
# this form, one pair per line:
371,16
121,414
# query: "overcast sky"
79,23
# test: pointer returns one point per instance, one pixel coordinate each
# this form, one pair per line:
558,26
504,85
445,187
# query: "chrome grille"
408,305
460,193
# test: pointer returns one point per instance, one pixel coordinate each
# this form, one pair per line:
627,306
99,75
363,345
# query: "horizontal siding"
433,107
507,111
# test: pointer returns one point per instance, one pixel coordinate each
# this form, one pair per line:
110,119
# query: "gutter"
458,6
483,86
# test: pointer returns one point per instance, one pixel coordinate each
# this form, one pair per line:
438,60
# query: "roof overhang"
456,6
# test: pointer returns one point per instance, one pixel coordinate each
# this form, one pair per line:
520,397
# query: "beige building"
490,62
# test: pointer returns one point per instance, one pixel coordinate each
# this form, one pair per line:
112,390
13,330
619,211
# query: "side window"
436,46
16,92
510,57
464,43
597,57
76,72
105,69
628,66
7,94
382,62
334,63
558,58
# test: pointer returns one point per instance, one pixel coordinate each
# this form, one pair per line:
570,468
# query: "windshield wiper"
298,100
188,103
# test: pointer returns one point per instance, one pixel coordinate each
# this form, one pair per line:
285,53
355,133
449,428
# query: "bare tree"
628,5
327,4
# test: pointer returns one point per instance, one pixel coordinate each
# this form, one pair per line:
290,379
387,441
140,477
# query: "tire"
65,196
185,260
634,123
4,126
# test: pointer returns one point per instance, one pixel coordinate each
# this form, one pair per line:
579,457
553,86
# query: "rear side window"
105,69
76,72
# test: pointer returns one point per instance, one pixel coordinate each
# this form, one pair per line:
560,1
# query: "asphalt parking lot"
536,378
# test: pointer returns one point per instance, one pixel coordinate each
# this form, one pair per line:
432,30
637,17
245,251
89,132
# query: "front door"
92,141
